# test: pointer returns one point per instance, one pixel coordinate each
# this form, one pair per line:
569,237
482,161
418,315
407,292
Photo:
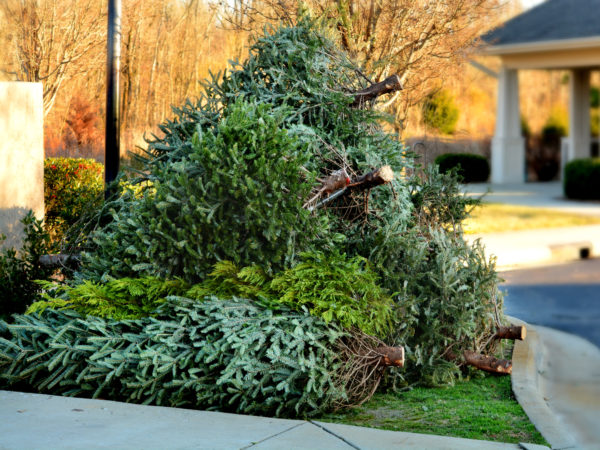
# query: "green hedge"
582,179
471,168
71,187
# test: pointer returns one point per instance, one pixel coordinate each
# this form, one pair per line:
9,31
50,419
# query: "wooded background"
169,46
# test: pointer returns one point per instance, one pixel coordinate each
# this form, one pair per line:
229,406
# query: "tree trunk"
488,363
391,356
369,180
512,332
390,84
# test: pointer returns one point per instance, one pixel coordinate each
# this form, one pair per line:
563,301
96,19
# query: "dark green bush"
72,187
470,168
582,179
19,269
440,112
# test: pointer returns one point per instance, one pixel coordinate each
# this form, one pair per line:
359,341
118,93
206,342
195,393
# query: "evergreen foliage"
236,195
228,355
332,287
449,303
231,176
119,299
446,295
228,182
338,288
19,269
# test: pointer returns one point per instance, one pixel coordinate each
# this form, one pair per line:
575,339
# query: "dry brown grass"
494,218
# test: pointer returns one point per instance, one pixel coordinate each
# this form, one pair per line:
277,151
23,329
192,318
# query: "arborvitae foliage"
338,288
120,299
228,355
332,287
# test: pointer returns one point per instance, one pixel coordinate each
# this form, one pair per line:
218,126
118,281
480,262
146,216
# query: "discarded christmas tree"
277,195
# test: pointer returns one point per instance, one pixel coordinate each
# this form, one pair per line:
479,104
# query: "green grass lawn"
494,217
481,408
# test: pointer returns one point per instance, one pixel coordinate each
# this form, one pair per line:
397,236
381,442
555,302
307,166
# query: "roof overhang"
556,54
543,46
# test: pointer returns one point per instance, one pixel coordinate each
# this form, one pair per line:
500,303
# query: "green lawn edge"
482,407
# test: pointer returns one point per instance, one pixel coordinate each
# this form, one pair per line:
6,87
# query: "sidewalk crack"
272,436
336,435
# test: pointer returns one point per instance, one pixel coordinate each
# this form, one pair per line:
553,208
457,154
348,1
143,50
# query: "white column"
579,115
508,145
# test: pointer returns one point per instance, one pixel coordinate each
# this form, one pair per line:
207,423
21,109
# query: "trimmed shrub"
19,269
440,112
582,179
470,168
72,187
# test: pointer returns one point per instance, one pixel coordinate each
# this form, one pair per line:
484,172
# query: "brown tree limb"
57,260
369,180
390,84
488,363
512,332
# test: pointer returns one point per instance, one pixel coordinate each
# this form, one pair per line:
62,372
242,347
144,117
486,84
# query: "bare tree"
49,37
419,40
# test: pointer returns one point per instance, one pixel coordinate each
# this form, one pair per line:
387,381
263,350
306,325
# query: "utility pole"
112,126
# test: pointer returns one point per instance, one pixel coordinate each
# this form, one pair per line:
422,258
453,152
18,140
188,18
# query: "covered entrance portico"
546,38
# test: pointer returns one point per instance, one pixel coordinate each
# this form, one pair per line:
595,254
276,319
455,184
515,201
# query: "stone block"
21,157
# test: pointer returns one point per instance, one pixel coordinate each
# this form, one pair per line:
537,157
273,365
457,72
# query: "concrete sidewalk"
542,246
35,421
548,195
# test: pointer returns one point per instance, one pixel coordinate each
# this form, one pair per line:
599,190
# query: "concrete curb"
528,387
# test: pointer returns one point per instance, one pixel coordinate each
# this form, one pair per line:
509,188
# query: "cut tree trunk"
369,180
488,363
390,84
512,332
391,356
